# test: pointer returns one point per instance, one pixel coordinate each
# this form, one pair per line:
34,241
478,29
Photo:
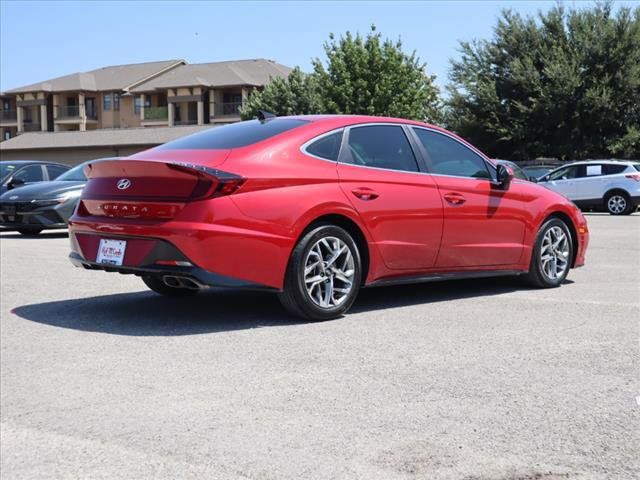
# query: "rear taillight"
634,176
211,183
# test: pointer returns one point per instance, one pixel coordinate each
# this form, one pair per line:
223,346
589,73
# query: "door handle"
454,198
365,193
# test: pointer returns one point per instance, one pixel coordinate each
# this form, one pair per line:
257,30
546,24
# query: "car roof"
346,120
590,162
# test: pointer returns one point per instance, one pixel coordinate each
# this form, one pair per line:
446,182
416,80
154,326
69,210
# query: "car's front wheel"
552,255
618,203
323,276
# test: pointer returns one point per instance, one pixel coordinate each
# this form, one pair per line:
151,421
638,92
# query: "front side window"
106,101
32,173
326,147
381,146
450,157
235,135
566,173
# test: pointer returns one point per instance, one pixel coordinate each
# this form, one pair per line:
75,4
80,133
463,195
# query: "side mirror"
14,182
505,175
533,179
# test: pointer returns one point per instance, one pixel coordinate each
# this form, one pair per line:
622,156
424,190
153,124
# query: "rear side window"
326,147
55,171
636,166
235,135
613,169
594,170
450,157
381,146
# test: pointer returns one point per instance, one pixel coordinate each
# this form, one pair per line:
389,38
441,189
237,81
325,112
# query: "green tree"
294,95
566,85
375,77
359,76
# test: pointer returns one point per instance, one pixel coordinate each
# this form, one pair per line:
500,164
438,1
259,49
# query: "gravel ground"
472,380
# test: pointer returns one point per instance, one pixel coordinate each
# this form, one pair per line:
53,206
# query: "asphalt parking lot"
487,379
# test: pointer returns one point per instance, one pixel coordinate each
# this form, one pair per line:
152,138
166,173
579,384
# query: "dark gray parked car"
33,208
17,173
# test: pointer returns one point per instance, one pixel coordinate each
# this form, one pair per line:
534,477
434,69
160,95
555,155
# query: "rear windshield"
76,174
234,136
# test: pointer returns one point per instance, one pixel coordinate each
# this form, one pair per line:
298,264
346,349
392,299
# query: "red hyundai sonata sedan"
317,207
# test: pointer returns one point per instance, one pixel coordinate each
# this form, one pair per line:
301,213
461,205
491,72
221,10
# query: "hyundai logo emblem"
124,183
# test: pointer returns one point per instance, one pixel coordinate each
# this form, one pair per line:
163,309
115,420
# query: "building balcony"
8,117
156,116
72,114
226,112
30,126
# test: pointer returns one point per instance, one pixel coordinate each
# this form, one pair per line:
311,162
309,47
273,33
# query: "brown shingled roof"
117,77
255,72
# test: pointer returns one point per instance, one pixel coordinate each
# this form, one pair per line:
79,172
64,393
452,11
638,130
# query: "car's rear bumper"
164,252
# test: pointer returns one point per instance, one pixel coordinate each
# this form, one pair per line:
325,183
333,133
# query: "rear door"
399,203
483,225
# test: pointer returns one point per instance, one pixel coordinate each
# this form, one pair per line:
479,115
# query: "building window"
6,106
106,101
116,101
137,102
7,134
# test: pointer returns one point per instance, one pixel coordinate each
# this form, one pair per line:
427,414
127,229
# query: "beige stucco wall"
128,119
71,156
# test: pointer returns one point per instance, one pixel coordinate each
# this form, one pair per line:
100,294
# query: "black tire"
156,284
29,231
537,276
618,203
295,297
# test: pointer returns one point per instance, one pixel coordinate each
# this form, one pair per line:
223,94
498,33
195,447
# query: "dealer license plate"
111,252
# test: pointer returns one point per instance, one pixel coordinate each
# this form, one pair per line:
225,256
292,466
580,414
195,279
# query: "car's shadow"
42,235
148,314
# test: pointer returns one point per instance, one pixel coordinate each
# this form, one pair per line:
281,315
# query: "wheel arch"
572,231
351,227
613,190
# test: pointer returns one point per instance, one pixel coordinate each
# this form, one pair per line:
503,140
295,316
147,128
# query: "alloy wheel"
617,204
554,254
328,272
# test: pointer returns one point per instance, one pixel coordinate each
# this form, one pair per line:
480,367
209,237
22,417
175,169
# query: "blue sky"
42,40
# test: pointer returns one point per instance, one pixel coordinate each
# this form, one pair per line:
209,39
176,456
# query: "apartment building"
168,93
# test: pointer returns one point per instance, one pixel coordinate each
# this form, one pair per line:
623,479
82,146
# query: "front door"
484,226
562,180
399,204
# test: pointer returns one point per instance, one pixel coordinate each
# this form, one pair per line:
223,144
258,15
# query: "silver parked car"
609,185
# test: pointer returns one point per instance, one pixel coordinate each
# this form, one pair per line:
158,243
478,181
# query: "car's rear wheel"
29,231
618,203
552,255
323,276
158,285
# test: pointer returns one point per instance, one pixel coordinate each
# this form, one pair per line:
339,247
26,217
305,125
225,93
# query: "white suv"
609,185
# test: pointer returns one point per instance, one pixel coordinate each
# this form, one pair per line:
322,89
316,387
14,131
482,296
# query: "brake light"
634,176
211,183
